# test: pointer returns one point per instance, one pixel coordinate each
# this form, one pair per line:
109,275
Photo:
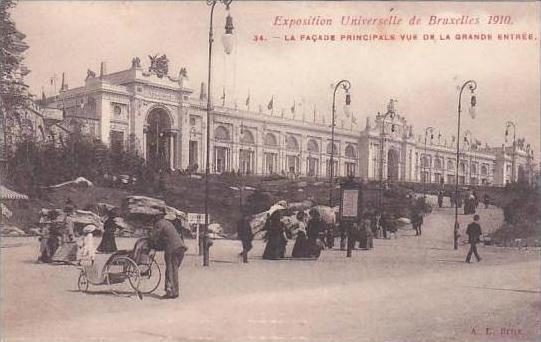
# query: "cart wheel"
151,277
122,276
82,283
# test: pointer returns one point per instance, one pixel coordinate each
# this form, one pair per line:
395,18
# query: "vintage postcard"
229,170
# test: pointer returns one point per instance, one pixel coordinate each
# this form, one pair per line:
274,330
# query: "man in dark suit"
245,235
474,233
165,236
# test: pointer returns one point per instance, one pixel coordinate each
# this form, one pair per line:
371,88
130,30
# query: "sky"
422,75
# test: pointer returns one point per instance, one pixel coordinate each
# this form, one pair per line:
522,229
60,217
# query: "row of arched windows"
426,162
222,134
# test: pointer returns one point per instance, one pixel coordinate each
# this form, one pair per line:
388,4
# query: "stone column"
144,147
172,150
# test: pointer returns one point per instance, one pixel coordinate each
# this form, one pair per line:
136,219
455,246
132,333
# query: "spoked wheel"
122,276
82,283
151,277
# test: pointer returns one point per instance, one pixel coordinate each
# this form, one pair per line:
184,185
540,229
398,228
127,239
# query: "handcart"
125,272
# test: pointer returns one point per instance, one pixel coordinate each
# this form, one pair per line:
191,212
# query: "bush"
521,214
258,201
36,165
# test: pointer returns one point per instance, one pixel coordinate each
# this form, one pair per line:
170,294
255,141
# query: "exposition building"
161,118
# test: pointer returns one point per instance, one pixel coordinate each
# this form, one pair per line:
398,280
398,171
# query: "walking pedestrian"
467,203
300,249
440,199
329,236
343,232
245,235
68,233
164,236
486,200
474,233
476,199
108,242
275,236
315,226
365,233
384,223
416,221
452,199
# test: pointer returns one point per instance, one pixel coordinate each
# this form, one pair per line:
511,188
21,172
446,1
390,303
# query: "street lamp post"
514,125
390,112
346,85
472,85
431,130
467,134
228,45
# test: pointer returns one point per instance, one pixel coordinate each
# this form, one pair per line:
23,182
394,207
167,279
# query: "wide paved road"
406,289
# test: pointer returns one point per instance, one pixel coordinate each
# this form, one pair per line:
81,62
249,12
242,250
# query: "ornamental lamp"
348,99
227,38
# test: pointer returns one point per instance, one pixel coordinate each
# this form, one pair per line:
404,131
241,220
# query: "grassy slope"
187,194
184,193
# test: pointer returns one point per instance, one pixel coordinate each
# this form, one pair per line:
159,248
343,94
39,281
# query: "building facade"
161,118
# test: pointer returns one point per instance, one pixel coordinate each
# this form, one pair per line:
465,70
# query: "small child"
88,251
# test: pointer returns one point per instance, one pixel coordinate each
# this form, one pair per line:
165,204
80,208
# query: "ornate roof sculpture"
159,65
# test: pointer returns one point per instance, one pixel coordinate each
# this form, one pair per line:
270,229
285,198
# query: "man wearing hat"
165,235
244,234
474,233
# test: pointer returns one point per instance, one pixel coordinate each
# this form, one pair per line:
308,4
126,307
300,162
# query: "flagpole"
223,97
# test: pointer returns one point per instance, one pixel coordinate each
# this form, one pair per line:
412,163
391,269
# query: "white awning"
7,194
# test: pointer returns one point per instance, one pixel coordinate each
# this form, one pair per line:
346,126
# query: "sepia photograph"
227,170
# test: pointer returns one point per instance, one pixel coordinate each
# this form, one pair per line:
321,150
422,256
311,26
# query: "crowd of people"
469,198
311,234
60,243
57,240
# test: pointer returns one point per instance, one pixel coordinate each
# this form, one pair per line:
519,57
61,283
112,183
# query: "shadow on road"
499,289
451,261
108,293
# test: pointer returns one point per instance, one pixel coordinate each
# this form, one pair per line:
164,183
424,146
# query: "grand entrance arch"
158,139
392,165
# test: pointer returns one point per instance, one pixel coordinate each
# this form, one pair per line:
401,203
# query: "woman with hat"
108,243
68,234
300,249
315,226
274,236
50,237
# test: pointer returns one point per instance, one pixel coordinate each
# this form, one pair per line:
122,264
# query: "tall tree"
14,95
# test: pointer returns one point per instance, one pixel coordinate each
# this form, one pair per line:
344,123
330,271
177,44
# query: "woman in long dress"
108,243
67,251
315,226
300,249
274,236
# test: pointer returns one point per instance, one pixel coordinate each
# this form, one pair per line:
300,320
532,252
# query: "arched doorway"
392,165
158,139
521,174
